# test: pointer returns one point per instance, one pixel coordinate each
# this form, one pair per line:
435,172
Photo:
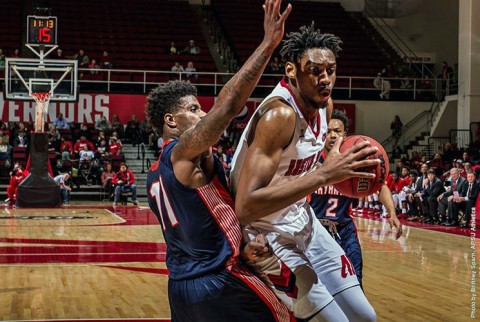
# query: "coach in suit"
430,196
445,200
469,196
414,198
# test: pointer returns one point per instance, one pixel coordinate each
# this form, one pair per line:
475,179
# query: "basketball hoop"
42,99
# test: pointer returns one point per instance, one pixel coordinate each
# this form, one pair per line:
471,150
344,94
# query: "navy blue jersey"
329,204
199,225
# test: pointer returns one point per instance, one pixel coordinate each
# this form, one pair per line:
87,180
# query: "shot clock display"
42,30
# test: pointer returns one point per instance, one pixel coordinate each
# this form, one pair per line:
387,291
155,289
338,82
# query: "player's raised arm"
235,93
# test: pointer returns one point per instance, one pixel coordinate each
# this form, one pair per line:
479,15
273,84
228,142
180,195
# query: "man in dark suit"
445,200
413,198
433,189
469,196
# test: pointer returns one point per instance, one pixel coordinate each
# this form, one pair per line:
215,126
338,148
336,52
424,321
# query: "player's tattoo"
210,127
204,131
257,65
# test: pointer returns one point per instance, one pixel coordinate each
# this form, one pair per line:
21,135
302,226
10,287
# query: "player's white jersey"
299,158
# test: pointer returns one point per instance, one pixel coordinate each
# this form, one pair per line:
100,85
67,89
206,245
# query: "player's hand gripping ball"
362,187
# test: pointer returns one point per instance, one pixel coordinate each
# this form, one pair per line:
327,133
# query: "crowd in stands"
427,89
401,80
92,154
105,61
88,153
440,191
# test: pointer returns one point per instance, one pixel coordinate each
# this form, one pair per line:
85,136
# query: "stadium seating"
137,35
136,40
20,156
10,17
242,23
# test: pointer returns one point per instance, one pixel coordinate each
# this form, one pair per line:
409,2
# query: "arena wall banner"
90,107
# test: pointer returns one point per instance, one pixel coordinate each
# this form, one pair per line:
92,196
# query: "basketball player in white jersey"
275,168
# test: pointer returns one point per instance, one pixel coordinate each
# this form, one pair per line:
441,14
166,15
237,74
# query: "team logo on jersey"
299,166
285,281
347,266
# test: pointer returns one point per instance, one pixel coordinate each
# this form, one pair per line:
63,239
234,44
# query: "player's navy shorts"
350,243
220,296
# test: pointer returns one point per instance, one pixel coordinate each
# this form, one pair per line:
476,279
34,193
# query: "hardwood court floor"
100,263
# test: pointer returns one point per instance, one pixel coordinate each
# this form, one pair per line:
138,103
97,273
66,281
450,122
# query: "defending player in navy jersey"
334,210
188,193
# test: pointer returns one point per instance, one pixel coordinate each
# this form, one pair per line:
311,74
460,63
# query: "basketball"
362,187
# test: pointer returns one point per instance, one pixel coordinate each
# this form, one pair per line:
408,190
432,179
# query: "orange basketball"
362,187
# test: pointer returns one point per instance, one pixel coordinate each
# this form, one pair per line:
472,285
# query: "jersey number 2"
332,207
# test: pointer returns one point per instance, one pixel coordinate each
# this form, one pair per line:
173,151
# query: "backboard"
24,76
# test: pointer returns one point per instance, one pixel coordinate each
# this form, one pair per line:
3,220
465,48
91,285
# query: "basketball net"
42,99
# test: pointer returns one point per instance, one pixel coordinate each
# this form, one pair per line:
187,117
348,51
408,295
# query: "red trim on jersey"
324,154
154,165
166,142
224,194
279,311
286,281
285,85
220,205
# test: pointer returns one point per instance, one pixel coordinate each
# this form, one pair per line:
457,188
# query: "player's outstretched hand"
257,249
341,166
396,226
274,22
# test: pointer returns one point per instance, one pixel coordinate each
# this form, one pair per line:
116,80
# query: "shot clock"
42,30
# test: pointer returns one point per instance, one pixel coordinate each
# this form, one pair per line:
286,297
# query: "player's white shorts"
304,251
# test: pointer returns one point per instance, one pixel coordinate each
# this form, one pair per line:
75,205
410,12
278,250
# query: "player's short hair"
340,115
297,43
166,99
